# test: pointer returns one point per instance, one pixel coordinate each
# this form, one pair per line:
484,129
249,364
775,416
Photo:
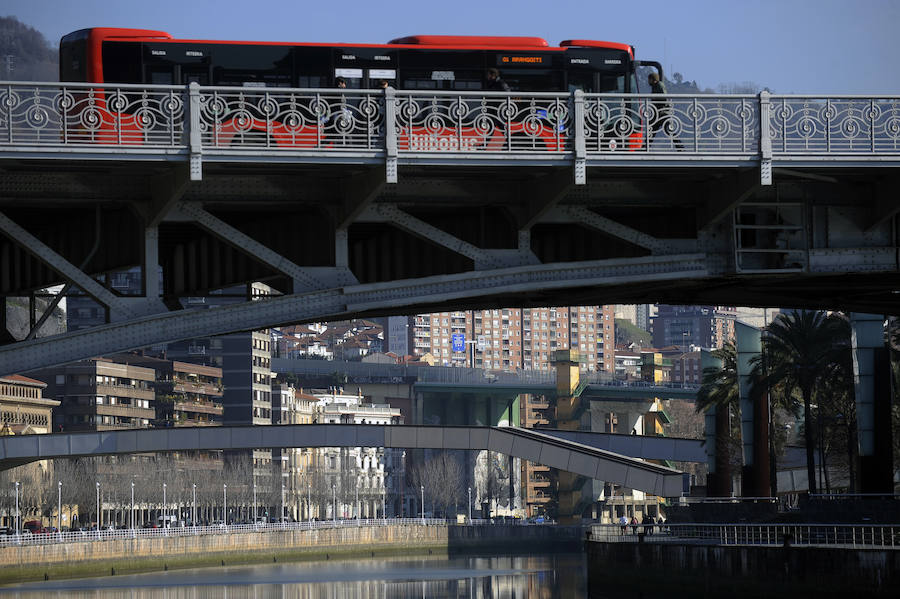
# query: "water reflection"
495,577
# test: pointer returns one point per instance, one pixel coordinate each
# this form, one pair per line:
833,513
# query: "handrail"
98,117
885,536
52,538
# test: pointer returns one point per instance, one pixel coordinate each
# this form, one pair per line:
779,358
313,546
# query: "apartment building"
98,395
701,326
516,339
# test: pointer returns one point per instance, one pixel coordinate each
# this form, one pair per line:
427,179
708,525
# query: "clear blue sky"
791,46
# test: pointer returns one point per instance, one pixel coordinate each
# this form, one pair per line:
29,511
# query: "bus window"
610,83
353,77
581,79
533,80
198,75
161,76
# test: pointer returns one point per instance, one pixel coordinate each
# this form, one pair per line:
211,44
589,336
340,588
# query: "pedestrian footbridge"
539,448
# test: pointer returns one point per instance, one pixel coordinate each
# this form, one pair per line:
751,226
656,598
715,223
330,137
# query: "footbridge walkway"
539,448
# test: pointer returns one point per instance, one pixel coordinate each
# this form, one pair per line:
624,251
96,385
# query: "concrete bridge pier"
718,481
568,417
754,416
872,385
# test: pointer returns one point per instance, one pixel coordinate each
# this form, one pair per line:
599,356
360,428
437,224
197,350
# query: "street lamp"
165,513
357,504
132,509
98,509
333,504
282,506
470,505
225,506
59,508
423,504
255,512
309,502
18,523
194,506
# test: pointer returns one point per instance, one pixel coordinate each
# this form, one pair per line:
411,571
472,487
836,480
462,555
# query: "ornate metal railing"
664,124
479,121
193,119
51,114
835,124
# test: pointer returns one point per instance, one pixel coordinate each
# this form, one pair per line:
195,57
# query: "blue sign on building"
459,342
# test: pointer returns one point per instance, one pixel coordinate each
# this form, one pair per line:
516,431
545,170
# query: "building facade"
98,395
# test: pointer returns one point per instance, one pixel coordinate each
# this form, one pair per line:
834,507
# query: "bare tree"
441,475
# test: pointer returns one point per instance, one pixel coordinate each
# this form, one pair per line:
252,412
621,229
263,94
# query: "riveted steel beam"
118,307
389,213
358,192
304,279
611,227
725,195
542,194
166,190
886,202
333,304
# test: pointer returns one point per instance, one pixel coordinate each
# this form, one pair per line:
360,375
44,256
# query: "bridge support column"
568,416
150,270
754,416
718,433
872,385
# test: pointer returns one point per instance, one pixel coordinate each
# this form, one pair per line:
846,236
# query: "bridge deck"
536,447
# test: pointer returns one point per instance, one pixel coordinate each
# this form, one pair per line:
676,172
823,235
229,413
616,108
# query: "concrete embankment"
735,571
119,556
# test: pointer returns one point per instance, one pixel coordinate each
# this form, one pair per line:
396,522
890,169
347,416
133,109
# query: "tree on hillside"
25,54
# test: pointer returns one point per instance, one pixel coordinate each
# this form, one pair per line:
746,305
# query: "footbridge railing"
844,535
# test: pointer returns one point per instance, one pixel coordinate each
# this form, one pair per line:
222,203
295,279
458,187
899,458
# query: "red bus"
425,62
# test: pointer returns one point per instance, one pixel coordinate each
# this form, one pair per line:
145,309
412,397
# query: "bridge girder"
446,235
525,444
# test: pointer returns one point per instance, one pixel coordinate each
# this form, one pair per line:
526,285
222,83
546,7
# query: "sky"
789,46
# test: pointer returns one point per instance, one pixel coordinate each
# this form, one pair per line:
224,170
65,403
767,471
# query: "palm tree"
719,389
799,347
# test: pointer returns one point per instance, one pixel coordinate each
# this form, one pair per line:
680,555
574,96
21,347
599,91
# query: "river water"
488,577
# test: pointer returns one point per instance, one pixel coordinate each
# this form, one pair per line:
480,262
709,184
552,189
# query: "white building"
351,481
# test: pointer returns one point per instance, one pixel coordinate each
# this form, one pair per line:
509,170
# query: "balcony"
123,411
198,388
125,391
199,407
538,498
539,481
195,422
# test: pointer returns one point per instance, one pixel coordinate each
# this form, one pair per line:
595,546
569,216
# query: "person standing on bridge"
494,82
663,109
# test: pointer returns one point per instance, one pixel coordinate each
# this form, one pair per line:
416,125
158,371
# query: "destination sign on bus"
520,59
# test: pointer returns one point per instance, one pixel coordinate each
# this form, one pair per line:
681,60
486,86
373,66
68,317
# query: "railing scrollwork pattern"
248,120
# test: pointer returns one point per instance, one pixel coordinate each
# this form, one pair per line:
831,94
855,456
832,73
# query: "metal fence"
50,538
225,119
848,535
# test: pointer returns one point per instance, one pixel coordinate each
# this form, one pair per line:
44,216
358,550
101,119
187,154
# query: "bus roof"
461,42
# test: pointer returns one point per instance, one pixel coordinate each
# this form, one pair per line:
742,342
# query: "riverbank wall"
119,556
741,571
